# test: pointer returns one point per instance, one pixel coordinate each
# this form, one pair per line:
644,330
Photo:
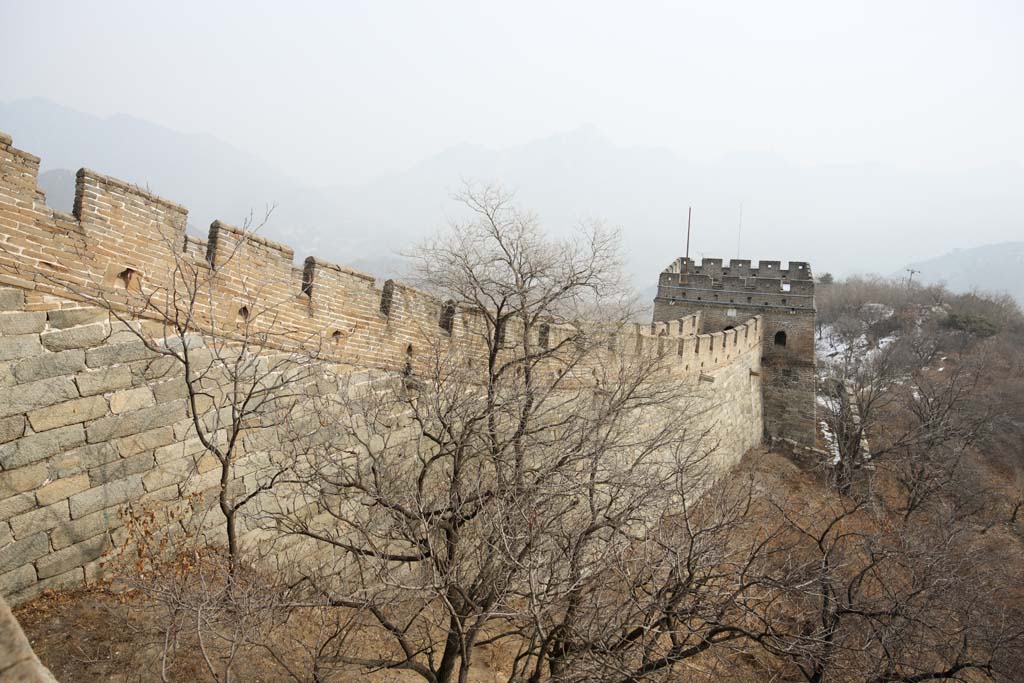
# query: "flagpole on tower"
689,220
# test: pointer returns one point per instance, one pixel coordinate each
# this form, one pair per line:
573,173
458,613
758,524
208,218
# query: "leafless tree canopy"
529,487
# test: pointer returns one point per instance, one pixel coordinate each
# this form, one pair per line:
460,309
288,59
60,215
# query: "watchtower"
727,295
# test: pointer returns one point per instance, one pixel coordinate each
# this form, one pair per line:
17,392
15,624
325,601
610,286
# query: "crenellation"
91,423
783,299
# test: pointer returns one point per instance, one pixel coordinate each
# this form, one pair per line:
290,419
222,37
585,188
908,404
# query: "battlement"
722,295
738,285
91,424
118,231
742,268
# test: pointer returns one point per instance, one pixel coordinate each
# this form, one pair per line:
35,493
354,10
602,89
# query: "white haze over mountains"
993,268
841,218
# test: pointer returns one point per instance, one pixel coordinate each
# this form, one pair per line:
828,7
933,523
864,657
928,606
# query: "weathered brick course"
102,381
84,337
72,556
22,323
21,346
132,399
107,495
23,551
117,426
11,299
61,489
40,519
35,395
67,413
49,365
37,447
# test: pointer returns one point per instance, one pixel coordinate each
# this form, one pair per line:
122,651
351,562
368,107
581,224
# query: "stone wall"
89,424
724,294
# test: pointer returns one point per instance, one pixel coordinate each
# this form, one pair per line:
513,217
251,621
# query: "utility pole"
910,280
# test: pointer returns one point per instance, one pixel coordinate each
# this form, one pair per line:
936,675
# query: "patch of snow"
831,443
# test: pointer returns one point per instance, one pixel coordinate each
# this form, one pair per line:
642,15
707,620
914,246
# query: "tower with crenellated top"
726,295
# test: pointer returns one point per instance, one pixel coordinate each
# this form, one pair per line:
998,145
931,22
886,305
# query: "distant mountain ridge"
841,218
995,268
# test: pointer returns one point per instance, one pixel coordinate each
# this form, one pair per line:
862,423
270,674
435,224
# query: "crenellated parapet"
90,424
120,236
783,299
740,283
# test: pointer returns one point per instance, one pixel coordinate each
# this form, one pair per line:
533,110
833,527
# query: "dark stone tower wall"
726,295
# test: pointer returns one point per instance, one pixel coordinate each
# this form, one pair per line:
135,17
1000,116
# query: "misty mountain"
213,179
992,268
841,218
59,186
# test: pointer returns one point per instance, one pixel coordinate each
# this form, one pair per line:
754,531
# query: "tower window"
780,338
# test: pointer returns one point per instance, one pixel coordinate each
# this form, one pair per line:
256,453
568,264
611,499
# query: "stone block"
177,450
30,449
81,459
22,323
108,495
62,488
39,519
22,479
69,412
184,429
11,428
166,494
170,390
17,579
124,331
146,441
204,482
117,426
207,462
119,469
115,354
72,317
35,395
167,473
7,378
83,337
23,552
73,556
97,571
156,369
70,579
103,381
16,505
87,527
11,299
131,399
21,346
49,365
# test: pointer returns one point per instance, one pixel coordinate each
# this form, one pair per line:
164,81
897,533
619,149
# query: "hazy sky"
351,89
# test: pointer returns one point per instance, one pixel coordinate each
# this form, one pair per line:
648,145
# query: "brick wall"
87,426
724,294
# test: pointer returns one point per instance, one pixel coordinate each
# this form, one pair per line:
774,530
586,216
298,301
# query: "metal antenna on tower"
689,220
739,232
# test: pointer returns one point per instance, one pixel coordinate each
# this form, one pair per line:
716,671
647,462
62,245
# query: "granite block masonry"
90,424
784,299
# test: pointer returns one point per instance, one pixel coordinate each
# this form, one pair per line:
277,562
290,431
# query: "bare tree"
524,456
